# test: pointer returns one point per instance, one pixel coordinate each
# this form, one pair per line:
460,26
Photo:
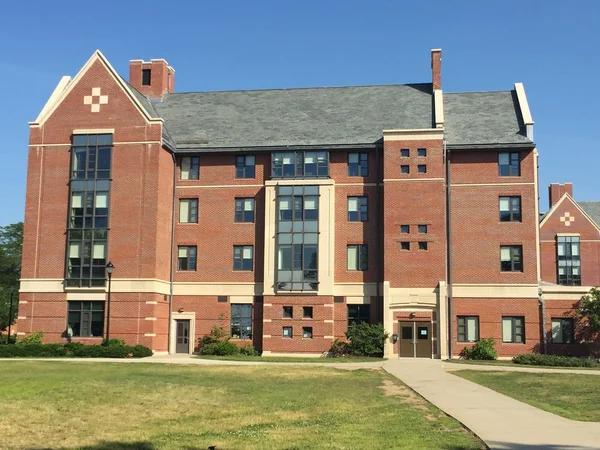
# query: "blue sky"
550,46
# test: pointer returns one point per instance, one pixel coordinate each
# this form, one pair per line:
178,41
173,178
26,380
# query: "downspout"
172,267
448,251
379,279
542,303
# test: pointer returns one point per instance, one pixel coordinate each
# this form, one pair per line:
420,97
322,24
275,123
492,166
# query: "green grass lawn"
118,406
573,396
292,359
509,363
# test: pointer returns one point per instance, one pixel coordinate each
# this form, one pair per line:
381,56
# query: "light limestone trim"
42,285
388,321
266,336
355,289
114,144
525,112
56,94
230,289
22,302
327,337
568,234
495,290
438,99
301,182
150,334
553,241
358,184
537,213
566,289
54,101
328,321
583,213
328,305
21,317
20,333
95,131
221,186
267,305
150,318
87,296
413,297
492,184
267,320
245,299
413,179
413,134
151,302
120,285
442,321
191,316
366,300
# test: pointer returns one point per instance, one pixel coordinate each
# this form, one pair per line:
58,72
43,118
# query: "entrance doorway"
415,340
182,343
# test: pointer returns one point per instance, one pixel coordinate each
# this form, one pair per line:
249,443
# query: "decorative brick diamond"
567,219
95,100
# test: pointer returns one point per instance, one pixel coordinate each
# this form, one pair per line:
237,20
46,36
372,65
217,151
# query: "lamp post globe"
109,271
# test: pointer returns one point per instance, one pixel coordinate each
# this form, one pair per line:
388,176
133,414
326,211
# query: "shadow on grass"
105,445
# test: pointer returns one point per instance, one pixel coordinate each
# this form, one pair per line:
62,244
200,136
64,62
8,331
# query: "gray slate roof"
483,118
592,209
288,117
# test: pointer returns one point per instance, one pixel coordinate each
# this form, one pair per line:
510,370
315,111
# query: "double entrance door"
182,336
415,339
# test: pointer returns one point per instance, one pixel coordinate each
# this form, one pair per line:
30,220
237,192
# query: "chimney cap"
436,50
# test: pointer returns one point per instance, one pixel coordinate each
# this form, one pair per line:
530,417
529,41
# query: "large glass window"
244,166
510,209
190,167
297,238
569,260
188,210
358,314
358,210
358,164
358,257
511,258
509,164
186,257
242,257
241,321
244,210
513,329
89,201
85,319
300,165
468,328
563,330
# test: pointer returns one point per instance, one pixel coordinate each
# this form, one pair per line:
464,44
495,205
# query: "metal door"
407,336
415,339
183,336
423,340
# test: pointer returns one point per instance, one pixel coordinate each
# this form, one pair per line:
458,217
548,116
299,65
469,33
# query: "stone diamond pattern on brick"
567,219
95,100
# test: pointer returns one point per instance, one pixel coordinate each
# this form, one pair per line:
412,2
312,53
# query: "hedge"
73,350
552,360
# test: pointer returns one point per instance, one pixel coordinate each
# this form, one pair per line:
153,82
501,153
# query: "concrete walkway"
450,366
500,421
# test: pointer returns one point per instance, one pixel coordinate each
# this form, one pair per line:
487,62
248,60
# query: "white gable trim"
583,213
66,85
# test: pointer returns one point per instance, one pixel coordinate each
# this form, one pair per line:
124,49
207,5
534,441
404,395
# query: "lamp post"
10,314
109,270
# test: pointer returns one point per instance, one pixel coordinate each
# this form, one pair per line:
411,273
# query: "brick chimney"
556,191
436,68
153,79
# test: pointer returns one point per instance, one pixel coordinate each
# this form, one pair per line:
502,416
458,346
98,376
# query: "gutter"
172,265
448,250
379,209
493,146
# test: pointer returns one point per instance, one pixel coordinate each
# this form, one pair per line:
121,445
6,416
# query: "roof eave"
492,146
274,148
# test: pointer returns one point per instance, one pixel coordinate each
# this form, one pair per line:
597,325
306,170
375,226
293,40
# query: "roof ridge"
497,91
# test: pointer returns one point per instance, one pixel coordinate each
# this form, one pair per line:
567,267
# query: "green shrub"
6,339
339,348
483,350
216,335
248,350
33,338
223,348
114,341
73,349
551,360
366,339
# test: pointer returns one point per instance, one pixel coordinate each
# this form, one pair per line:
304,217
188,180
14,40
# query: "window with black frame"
297,238
85,319
358,164
87,233
244,210
358,314
245,166
300,164
510,209
509,164
563,330
569,260
511,258
241,321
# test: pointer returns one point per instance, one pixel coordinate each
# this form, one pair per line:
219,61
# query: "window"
421,152
190,167
188,210
146,77
297,238
513,330
563,330
87,232
422,245
404,153
244,166
405,169
307,332
300,165
357,209
357,257
468,328
242,257
287,332
404,228
358,314
422,168
186,259
509,164
241,321
510,209
423,229
307,312
244,210
288,312
569,260
358,164
85,319
405,245
511,259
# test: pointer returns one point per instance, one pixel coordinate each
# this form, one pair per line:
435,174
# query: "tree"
589,309
11,246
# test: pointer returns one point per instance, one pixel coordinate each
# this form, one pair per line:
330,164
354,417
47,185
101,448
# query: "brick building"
281,215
